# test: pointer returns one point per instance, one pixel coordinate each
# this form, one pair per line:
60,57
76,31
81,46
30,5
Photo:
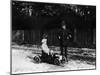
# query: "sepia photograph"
52,37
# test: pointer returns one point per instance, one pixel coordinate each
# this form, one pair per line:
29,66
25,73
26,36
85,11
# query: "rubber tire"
37,59
57,61
63,61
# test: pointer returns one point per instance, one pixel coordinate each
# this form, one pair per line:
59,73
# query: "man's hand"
70,36
59,37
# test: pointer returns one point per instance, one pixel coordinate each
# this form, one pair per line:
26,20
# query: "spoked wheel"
37,59
57,61
63,60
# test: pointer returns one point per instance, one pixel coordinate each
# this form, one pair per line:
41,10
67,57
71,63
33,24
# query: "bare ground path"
22,64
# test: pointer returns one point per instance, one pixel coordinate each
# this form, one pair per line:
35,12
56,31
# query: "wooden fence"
80,37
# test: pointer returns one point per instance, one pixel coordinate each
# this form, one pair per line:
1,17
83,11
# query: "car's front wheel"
57,61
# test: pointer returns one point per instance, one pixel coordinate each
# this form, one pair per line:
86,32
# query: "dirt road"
22,64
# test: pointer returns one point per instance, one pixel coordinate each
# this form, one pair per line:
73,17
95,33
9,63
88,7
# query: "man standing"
64,35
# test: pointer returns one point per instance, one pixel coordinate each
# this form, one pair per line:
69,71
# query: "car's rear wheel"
37,59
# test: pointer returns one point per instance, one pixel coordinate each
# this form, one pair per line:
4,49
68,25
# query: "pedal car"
55,58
